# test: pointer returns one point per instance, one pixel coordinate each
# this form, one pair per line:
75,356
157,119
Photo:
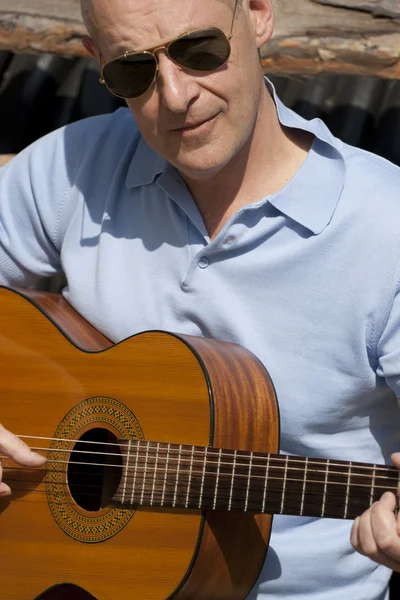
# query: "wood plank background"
337,36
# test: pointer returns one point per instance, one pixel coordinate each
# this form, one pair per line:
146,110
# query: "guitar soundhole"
95,469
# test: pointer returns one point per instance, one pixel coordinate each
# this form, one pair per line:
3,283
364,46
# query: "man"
218,212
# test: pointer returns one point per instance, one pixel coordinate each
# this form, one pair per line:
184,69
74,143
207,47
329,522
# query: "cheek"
145,113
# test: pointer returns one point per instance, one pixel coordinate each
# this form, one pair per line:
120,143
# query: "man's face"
199,122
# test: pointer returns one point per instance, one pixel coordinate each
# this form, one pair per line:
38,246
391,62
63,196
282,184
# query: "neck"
264,165
180,476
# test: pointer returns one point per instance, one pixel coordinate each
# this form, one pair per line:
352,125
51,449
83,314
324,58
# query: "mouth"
201,125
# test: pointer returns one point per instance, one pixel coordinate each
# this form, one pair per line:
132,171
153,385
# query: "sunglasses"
132,74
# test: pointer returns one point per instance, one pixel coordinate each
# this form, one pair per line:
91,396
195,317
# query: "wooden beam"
379,8
335,36
42,26
311,36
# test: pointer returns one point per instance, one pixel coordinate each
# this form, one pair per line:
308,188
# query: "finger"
15,448
364,540
354,534
384,526
4,488
396,459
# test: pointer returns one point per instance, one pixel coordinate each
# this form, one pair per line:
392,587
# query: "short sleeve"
33,188
389,348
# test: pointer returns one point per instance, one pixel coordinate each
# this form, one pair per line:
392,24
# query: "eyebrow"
124,49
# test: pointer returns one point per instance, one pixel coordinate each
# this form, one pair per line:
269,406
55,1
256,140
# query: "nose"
176,88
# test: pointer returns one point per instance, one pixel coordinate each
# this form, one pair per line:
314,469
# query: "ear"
91,48
262,16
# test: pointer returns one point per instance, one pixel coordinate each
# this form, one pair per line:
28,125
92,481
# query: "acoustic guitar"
162,465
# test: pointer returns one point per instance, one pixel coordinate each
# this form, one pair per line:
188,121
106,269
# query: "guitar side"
181,390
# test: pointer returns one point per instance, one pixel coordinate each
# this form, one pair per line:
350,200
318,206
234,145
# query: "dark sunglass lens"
204,50
130,76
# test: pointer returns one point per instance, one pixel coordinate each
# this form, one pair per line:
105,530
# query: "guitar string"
266,457
212,473
160,499
209,495
208,485
322,472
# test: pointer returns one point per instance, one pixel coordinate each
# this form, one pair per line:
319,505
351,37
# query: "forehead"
136,24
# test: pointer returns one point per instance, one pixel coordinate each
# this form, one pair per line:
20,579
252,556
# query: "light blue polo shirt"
307,279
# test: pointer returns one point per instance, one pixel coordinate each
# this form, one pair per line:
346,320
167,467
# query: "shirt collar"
146,164
311,196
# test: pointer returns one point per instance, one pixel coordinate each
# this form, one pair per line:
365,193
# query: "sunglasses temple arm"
233,18
101,78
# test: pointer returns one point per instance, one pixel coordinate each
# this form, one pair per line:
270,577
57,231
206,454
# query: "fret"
348,490
334,490
265,484
232,480
126,470
303,492
256,481
165,476
262,494
203,477
145,472
246,504
294,486
284,485
371,500
325,488
155,474
217,479
361,480
135,470
178,465
346,502
317,489
190,477
237,478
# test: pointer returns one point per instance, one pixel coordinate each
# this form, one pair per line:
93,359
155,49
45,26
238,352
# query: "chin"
201,163
200,171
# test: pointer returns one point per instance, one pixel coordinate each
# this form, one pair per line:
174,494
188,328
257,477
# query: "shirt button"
204,262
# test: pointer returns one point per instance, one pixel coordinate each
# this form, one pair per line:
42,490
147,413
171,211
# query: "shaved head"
86,15
87,7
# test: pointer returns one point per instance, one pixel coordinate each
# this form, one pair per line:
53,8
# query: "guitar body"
62,380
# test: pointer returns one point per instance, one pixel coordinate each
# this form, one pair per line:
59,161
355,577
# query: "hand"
376,533
13,447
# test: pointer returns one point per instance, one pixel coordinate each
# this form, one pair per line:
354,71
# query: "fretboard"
206,478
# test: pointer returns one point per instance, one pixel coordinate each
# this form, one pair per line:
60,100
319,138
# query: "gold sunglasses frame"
165,47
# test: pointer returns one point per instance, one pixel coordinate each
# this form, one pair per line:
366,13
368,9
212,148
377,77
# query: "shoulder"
115,129
102,138
63,151
371,188
45,182
67,146
363,170
84,151
369,168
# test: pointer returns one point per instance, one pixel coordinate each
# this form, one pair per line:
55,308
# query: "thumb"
13,447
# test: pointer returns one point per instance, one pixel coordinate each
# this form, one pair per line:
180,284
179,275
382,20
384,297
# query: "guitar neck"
206,478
